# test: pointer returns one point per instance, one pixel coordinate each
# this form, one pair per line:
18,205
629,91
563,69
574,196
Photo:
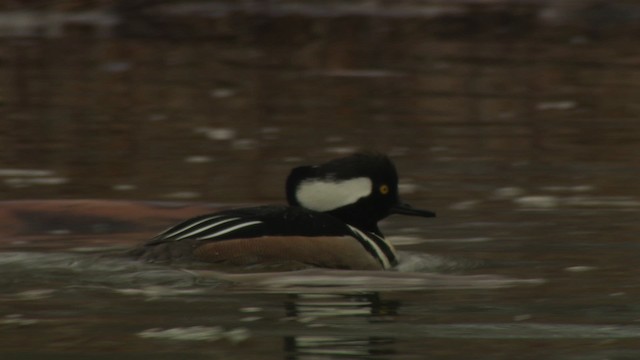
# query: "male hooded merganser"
331,221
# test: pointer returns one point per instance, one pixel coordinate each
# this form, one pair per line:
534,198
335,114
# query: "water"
523,136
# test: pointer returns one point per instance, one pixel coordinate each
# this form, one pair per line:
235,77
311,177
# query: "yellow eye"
384,189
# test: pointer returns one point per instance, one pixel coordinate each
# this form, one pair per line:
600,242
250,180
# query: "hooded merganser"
331,221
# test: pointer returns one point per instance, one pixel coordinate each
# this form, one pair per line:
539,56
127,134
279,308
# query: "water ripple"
323,280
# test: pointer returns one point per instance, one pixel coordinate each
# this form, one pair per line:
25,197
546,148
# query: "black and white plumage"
331,222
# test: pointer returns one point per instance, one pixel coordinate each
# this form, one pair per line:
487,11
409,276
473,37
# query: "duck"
330,221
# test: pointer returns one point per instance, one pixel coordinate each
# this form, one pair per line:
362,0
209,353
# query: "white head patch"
327,194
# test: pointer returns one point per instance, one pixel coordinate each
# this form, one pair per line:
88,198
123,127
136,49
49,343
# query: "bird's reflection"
369,307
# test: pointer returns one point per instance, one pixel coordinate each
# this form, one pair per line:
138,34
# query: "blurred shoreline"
139,18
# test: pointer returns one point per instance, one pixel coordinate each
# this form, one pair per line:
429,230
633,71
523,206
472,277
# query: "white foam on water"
25,172
559,105
464,205
222,93
33,294
198,159
552,201
328,280
156,292
244,144
414,240
515,330
17,319
197,333
407,188
218,134
572,188
22,182
19,178
341,150
508,192
538,201
580,268
602,201
400,240
124,187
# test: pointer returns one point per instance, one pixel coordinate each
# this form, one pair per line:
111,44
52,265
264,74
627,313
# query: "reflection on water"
517,122
64,300
312,322
312,308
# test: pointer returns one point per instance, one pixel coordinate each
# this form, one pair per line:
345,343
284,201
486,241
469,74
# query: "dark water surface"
521,133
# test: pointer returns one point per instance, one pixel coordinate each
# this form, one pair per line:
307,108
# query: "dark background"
215,101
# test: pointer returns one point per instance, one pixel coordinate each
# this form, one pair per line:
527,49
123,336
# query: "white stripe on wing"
230,229
205,228
380,254
168,234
